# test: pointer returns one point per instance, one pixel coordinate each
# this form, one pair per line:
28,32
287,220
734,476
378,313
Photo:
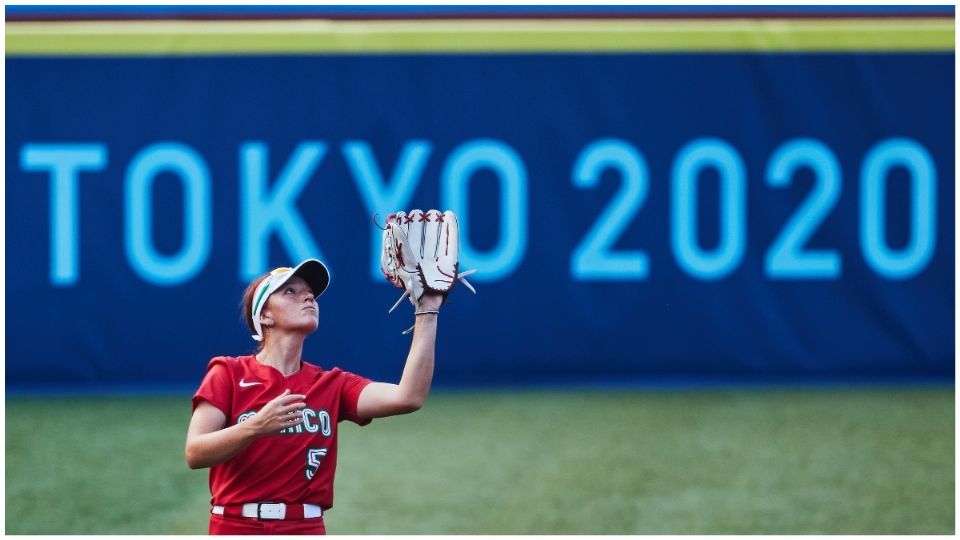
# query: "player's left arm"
379,399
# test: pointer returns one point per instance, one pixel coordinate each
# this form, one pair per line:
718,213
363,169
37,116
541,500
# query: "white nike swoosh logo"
244,384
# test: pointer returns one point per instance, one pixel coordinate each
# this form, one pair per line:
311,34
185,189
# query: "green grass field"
868,461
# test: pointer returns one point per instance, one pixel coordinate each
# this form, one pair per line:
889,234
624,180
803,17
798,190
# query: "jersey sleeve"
217,387
349,397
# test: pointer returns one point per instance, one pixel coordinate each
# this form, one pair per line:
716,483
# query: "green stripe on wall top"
95,38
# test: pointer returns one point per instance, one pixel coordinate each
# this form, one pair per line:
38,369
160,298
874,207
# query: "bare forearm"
209,443
418,371
382,399
209,449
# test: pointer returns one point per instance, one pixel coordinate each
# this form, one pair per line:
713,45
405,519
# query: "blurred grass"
877,461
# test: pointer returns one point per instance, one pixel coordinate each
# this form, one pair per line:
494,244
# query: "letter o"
507,254
183,161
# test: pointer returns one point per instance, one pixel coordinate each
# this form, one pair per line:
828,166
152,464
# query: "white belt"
272,510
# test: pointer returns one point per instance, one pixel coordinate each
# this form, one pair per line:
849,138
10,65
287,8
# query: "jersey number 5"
314,457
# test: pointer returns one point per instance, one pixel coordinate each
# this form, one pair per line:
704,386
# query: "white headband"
314,272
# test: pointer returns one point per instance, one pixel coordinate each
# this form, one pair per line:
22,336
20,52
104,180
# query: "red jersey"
296,465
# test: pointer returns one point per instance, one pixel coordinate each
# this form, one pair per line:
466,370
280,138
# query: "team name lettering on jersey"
314,421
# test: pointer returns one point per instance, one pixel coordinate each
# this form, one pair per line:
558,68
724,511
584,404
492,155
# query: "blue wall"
631,215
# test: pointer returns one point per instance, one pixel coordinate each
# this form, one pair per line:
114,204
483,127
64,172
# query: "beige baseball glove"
420,254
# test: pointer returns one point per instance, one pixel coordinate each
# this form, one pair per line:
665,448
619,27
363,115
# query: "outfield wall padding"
751,210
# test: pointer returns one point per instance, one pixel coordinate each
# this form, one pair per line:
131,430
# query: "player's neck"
282,353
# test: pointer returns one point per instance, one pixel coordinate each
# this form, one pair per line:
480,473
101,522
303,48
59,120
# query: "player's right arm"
209,443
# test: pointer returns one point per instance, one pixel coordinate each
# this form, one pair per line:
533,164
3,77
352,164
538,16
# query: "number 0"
916,255
693,158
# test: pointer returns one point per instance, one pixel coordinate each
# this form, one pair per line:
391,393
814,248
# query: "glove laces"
462,277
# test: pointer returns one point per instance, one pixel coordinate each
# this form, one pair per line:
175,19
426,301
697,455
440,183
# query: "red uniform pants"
231,525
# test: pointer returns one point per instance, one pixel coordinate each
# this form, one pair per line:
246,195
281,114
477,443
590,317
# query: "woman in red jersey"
266,424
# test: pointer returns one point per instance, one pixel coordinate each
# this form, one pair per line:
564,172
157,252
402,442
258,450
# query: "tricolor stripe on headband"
263,291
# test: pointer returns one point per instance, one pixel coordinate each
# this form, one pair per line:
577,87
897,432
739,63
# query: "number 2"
786,258
594,257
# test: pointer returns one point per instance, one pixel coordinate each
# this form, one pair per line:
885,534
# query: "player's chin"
309,324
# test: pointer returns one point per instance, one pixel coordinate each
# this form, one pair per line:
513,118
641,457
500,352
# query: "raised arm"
381,399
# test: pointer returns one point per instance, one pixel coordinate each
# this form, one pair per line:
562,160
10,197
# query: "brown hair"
246,307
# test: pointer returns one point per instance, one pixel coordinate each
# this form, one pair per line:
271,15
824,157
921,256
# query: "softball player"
266,424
